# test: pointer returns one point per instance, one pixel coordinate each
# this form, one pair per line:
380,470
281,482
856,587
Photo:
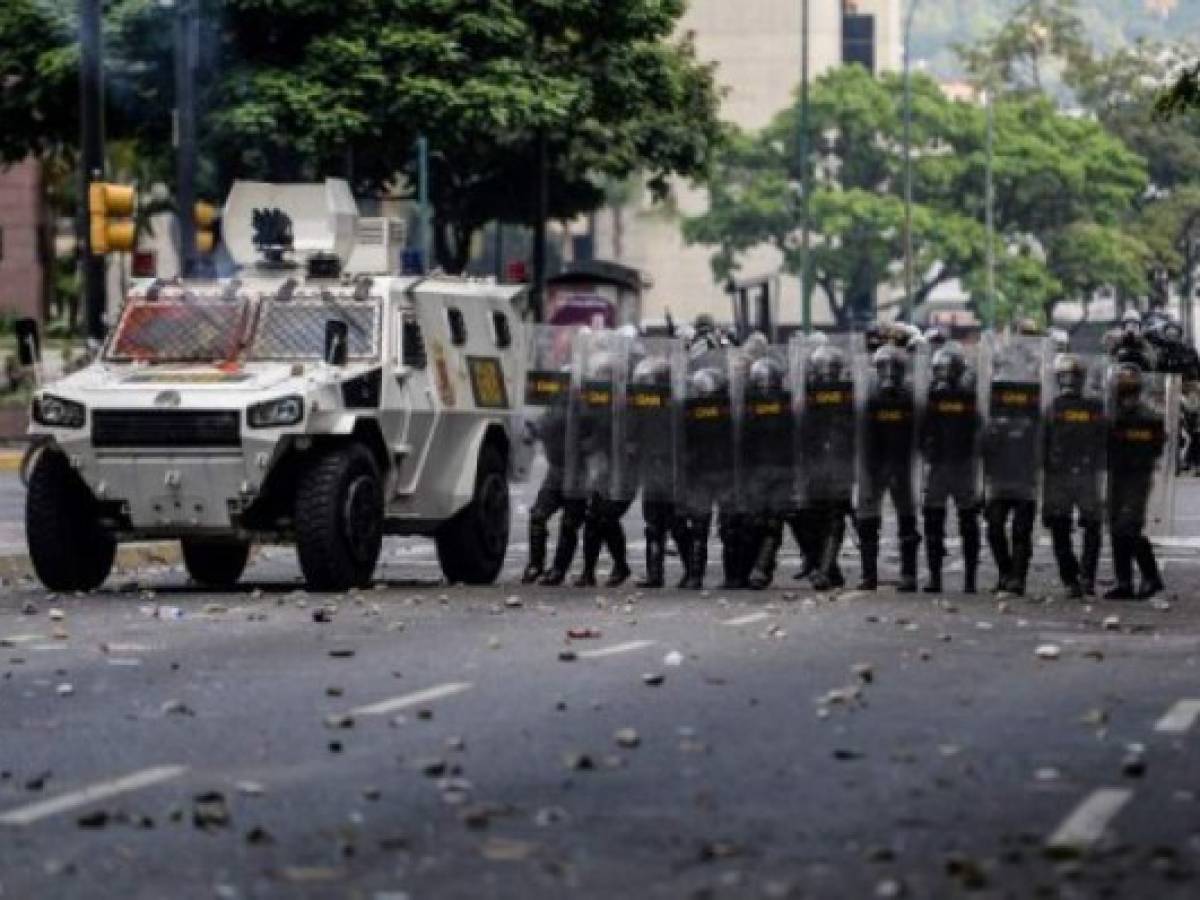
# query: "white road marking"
747,619
383,707
1087,822
1179,718
629,647
27,815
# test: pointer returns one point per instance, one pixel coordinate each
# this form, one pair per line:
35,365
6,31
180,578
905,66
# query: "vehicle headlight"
276,413
57,412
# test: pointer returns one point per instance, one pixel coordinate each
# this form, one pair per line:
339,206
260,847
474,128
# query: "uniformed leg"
935,546
910,544
806,526
698,529
770,540
868,546
829,575
657,518
996,514
1064,553
1147,564
569,523
1123,546
972,540
614,540
594,532
681,532
549,501
1022,545
731,529
1090,560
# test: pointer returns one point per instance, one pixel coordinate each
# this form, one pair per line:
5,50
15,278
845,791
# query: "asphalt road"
421,741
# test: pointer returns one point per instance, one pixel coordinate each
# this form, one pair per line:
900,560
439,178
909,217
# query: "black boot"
655,560
763,572
968,529
538,538
910,543
592,542
804,532
1064,556
1090,560
868,548
733,552
615,538
1022,555
998,542
829,576
564,553
681,532
935,547
697,562
1152,582
1122,554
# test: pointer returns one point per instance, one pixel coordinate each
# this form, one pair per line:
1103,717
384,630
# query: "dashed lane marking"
1179,718
27,815
749,619
1087,822
393,704
628,647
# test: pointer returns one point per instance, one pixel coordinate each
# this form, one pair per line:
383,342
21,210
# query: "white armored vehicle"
293,402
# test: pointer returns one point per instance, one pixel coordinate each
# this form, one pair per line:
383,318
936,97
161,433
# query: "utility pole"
990,211
187,50
539,228
805,181
909,278
91,163
424,238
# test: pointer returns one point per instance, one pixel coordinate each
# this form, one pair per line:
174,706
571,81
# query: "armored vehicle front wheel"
70,549
471,547
215,563
339,519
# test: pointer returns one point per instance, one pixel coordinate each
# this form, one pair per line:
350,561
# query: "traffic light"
110,208
205,216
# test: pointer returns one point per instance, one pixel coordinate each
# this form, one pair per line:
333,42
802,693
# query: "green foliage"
1057,178
302,89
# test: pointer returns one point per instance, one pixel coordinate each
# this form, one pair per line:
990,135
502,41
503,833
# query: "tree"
1054,174
301,89
1039,35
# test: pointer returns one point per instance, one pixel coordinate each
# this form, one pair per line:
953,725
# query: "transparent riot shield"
709,472
1075,460
652,421
547,404
1017,369
593,450
825,420
1144,412
887,432
951,426
765,439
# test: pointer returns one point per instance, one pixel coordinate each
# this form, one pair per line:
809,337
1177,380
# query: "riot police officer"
653,420
1075,448
1131,343
766,454
551,430
889,434
1137,436
949,446
827,454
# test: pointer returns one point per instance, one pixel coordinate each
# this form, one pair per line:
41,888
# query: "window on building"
858,39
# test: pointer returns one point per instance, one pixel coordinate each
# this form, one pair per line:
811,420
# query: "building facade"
756,47
22,237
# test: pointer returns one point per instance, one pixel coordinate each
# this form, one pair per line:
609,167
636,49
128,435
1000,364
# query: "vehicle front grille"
156,428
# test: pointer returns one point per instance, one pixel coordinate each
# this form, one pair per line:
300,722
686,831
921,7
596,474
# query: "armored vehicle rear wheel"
471,547
339,519
215,563
69,548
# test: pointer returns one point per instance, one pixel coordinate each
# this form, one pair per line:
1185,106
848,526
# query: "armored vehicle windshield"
183,330
295,329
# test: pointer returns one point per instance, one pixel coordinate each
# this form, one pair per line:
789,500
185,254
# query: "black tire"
70,549
339,519
213,562
471,547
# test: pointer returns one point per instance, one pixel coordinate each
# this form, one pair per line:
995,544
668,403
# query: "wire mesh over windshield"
180,331
295,329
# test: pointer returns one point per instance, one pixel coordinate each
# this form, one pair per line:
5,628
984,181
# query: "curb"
130,558
10,460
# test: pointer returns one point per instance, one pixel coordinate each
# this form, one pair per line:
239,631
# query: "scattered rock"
674,658
56,615
259,837
567,656
513,601
341,653
176,708
583,634
93,820
323,615
65,690
864,671
890,889
627,737
210,811
432,768
845,755
549,816
339,720
249,788
1112,623
1048,651
653,679
29,608
579,762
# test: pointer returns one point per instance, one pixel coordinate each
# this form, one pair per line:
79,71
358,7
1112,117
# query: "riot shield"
1075,460
887,429
951,429
547,407
652,420
765,440
1143,445
709,471
824,412
1017,369
593,451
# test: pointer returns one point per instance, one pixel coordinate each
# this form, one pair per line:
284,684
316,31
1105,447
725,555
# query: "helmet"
704,322
1070,374
654,371
904,335
630,332
948,366
818,339
707,382
1131,322
766,375
828,364
1029,327
935,337
890,364
1173,331
1062,340
756,344
874,337
601,367
1128,382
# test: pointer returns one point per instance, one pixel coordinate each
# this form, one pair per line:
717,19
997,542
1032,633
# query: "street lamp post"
908,187
990,210
805,183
